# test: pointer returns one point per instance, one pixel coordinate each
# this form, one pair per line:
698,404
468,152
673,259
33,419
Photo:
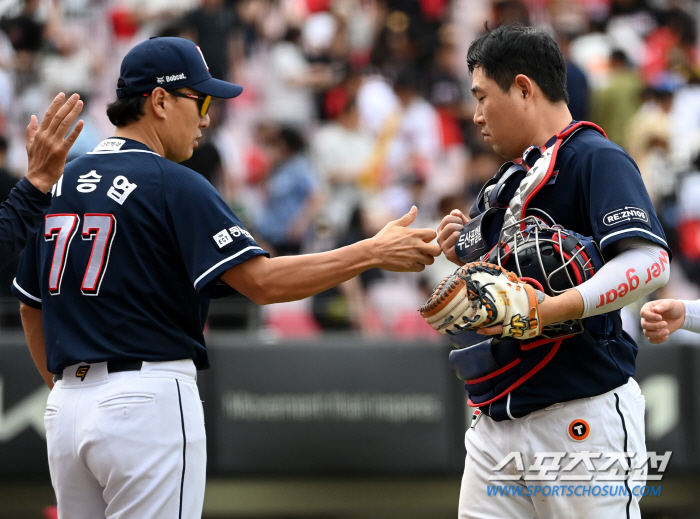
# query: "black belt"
113,366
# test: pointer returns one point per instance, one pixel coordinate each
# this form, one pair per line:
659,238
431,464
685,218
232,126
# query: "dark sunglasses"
203,102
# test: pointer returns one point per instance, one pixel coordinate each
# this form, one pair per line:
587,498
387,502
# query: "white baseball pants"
127,445
616,425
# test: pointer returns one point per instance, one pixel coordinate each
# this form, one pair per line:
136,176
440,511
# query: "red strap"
560,137
522,379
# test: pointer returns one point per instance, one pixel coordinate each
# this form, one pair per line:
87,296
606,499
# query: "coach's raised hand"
448,234
48,144
402,249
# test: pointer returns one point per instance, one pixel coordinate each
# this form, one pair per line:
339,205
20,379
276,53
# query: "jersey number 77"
61,228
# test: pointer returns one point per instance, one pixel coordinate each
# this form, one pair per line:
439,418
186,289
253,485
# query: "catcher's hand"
479,295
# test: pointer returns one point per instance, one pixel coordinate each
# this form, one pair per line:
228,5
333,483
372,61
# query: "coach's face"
501,115
185,126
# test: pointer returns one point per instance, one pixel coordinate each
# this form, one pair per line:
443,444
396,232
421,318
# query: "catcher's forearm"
34,331
564,307
632,274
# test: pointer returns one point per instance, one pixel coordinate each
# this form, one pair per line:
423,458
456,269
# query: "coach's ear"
158,102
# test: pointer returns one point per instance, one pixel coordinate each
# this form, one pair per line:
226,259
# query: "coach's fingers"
32,128
73,135
51,111
426,259
69,119
58,125
425,234
406,219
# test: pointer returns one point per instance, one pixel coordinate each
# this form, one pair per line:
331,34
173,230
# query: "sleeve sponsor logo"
237,232
222,239
234,234
625,214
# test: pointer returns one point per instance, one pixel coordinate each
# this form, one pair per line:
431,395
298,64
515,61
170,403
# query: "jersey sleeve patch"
228,237
624,216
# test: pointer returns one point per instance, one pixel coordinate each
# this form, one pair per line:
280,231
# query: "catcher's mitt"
482,294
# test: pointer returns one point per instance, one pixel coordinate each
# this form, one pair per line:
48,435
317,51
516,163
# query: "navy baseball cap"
169,63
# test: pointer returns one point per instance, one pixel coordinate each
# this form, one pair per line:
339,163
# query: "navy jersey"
20,216
131,250
596,190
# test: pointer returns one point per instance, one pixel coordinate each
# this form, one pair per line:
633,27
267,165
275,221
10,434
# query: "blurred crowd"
355,110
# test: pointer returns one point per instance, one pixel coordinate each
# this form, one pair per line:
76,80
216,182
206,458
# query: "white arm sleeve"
632,274
692,316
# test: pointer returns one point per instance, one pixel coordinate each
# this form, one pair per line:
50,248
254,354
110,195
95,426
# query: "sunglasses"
203,102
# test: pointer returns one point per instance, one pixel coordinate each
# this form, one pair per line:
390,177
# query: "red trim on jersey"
495,373
523,379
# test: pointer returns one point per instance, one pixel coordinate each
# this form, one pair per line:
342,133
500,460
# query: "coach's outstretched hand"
448,233
661,318
400,249
48,144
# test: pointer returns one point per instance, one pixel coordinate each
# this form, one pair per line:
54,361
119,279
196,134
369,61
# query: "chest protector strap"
493,368
538,176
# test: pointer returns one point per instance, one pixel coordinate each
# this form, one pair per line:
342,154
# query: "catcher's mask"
550,258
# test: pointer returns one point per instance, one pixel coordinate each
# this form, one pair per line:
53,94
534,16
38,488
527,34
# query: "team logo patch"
625,214
227,237
579,430
82,371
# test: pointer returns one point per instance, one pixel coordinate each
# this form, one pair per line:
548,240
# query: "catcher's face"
501,116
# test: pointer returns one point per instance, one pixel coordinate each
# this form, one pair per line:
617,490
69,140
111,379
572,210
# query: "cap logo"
160,79
200,53
174,77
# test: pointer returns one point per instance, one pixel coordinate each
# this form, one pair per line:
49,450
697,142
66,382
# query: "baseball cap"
169,63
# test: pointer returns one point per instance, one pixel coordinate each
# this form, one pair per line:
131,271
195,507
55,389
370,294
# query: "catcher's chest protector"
495,367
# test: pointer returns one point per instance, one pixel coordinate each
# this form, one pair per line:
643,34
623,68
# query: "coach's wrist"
42,182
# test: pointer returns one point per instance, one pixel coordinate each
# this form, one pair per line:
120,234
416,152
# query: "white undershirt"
692,316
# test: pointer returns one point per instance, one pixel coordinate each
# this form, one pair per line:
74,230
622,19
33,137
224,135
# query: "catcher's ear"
524,84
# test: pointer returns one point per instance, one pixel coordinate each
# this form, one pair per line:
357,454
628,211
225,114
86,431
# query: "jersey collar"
121,145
